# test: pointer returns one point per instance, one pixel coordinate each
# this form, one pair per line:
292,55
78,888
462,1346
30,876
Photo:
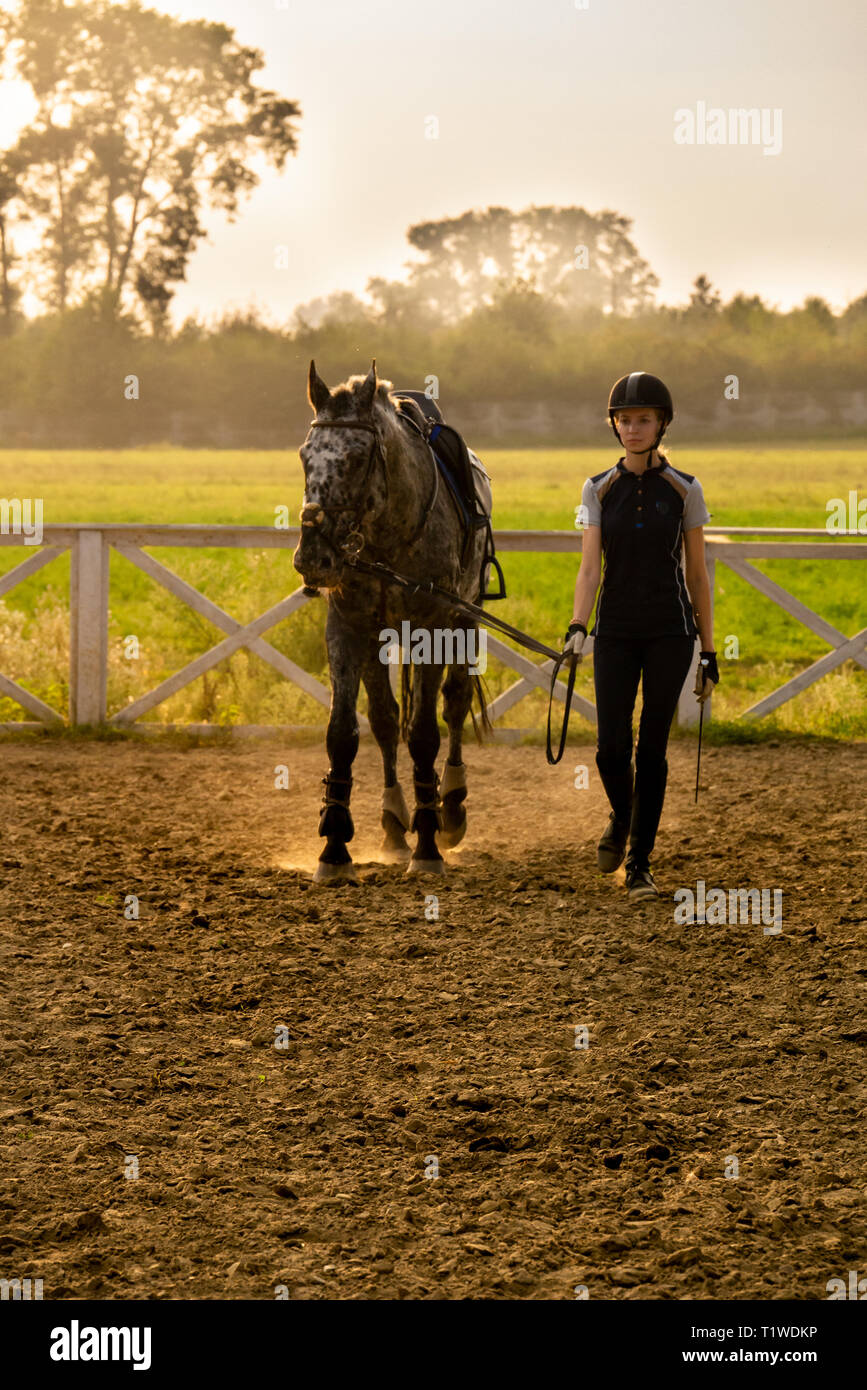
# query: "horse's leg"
341,742
423,741
384,717
457,698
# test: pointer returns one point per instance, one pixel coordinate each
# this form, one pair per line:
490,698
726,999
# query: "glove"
574,639
706,676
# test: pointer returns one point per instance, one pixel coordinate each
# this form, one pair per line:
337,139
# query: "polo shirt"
642,518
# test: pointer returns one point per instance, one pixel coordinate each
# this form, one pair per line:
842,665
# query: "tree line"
74,379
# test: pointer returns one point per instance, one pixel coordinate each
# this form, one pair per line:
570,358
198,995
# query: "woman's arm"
698,584
588,575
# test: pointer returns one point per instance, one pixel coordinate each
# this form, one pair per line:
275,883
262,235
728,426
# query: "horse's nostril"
326,562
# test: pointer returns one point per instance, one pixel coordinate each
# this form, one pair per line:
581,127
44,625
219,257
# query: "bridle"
354,541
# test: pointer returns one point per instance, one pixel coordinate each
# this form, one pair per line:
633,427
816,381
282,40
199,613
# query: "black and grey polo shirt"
643,518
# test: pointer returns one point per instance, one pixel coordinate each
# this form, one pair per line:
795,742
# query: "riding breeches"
662,664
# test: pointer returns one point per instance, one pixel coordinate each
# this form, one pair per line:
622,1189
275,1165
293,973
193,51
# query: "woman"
640,515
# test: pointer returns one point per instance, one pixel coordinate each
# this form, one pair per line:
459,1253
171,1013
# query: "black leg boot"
651,775
618,787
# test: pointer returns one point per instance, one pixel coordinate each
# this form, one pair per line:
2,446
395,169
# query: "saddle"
464,475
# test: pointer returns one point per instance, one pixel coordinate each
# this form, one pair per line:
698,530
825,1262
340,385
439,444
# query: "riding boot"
651,775
617,780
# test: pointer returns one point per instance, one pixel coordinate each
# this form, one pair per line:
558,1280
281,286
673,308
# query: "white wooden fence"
90,545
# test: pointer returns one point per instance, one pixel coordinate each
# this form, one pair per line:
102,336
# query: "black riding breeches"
662,664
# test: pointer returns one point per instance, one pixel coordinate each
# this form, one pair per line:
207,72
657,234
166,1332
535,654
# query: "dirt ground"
147,1046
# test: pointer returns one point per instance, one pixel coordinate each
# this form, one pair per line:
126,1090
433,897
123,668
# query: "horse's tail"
405,698
481,694
481,725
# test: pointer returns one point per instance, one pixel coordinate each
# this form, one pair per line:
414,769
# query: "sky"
547,103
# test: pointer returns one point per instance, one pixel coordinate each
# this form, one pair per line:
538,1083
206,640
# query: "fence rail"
90,546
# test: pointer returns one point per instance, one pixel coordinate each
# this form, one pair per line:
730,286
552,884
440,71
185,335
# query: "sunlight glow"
17,109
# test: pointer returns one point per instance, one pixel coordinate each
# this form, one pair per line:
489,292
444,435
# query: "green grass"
533,489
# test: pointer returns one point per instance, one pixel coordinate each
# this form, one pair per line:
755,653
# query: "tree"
141,119
10,292
704,298
818,313
517,308
397,303
461,257
631,283
340,309
855,311
855,314
575,258
748,313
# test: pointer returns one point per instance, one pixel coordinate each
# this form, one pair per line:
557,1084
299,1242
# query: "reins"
427,589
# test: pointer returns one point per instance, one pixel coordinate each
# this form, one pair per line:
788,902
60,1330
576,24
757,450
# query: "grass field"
533,489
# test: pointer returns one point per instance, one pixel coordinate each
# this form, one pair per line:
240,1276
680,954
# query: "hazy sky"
547,103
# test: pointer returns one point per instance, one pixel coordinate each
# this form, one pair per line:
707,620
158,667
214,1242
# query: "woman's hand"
574,639
706,676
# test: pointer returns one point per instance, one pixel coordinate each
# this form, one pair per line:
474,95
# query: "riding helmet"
641,389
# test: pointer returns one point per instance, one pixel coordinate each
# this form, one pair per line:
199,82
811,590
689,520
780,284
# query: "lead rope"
427,589
570,686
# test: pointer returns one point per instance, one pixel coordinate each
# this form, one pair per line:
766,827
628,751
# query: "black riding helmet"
641,389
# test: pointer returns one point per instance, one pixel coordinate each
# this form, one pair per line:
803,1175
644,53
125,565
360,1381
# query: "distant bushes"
64,379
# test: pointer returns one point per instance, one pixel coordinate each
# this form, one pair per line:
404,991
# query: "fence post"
88,628
688,708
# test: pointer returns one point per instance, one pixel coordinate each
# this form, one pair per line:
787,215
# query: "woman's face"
638,426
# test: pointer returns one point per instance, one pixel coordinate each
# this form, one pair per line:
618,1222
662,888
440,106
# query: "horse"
372,489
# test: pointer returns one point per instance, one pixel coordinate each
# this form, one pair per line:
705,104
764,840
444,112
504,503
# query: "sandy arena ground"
147,1046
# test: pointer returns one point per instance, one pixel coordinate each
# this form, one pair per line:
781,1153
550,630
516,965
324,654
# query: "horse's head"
344,475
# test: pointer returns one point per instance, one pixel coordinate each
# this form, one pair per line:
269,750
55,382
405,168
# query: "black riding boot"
618,787
651,775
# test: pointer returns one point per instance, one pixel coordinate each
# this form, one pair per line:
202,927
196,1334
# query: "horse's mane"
344,398
344,405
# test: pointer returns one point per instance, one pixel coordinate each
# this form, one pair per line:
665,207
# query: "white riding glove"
575,639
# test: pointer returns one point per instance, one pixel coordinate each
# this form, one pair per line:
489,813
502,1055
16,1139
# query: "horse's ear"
367,390
318,393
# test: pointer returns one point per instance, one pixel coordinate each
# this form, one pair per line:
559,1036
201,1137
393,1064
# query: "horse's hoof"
426,866
335,873
454,824
452,835
394,854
